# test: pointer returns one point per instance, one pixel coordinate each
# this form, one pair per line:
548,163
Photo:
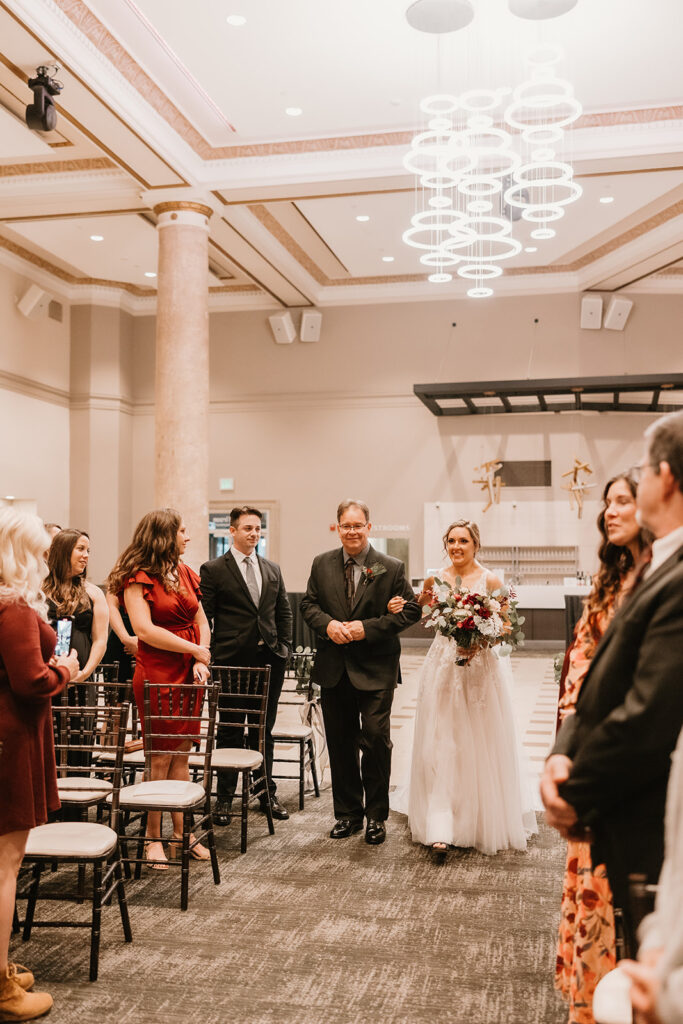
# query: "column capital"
182,211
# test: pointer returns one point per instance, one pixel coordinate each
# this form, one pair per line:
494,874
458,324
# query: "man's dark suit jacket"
236,621
371,663
628,716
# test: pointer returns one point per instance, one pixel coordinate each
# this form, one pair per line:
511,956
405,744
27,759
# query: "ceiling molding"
98,163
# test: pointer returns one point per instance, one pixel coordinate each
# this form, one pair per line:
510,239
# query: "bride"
467,787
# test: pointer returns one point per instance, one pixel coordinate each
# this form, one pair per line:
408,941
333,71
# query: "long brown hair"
615,562
153,549
66,591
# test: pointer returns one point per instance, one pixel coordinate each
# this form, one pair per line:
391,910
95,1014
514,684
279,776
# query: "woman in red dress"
30,675
161,595
586,947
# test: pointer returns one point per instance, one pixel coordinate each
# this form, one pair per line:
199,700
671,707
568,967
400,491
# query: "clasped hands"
200,670
559,814
345,632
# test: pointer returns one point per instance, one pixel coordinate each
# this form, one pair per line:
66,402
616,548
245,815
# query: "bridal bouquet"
474,621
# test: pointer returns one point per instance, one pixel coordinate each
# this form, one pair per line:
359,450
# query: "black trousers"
231,736
357,727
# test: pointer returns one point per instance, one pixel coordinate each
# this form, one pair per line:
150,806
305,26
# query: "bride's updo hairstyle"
465,524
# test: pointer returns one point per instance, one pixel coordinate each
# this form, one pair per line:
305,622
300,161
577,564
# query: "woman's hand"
130,646
396,604
202,655
69,661
200,673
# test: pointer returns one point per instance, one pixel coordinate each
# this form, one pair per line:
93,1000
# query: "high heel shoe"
163,865
198,852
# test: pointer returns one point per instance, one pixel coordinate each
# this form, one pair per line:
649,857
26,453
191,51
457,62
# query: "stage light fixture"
41,115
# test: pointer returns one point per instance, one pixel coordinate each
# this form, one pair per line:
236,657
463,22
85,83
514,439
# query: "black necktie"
349,582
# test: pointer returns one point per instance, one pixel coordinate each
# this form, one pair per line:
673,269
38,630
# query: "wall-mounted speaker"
591,312
34,302
311,322
282,326
617,314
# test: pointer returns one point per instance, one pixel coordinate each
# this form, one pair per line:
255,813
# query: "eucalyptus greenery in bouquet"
474,621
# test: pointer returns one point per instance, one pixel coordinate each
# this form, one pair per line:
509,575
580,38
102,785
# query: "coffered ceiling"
165,99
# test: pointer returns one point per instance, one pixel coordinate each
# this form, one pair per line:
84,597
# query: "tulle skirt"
467,783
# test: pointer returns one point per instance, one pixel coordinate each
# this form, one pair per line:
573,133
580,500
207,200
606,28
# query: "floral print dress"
585,951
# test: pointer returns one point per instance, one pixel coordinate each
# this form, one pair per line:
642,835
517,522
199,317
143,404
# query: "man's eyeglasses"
351,527
636,472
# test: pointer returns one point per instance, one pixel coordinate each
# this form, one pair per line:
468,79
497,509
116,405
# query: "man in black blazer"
608,773
357,667
246,603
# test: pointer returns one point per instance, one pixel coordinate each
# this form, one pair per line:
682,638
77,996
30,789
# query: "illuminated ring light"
542,234
545,54
430,221
441,124
546,102
557,90
478,101
439,104
501,225
542,135
539,156
439,258
477,186
541,214
440,202
564,174
440,278
479,206
514,247
479,293
480,271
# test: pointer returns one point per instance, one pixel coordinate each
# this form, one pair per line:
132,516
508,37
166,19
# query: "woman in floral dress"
586,938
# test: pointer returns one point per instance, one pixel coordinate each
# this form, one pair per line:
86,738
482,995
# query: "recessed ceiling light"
150,273
387,259
362,216
9,497
606,199
237,20
531,248
293,111
97,238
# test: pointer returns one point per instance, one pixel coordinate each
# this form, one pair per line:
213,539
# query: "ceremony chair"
198,704
297,692
242,704
83,842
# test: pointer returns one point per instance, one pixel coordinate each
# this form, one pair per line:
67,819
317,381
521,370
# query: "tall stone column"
181,420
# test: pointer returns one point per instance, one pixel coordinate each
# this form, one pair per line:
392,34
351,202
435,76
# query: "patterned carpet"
308,929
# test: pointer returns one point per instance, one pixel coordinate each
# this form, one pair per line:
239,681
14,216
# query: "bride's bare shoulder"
493,582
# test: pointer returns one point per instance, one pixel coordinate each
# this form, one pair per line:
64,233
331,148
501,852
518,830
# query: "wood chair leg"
31,905
185,862
246,788
96,919
121,896
268,808
302,772
212,843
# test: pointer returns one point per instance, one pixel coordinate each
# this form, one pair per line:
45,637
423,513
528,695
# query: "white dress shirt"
665,547
240,559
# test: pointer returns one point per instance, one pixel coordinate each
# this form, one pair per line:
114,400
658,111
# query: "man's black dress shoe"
221,813
277,810
375,833
345,827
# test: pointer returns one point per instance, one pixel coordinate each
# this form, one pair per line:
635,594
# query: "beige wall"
306,424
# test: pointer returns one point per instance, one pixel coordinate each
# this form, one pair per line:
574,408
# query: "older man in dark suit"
608,773
246,603
357,667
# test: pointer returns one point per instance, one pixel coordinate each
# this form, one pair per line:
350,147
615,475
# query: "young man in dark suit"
357,667
246,603
609,768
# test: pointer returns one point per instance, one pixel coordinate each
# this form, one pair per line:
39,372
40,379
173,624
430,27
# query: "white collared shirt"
664,547
240,559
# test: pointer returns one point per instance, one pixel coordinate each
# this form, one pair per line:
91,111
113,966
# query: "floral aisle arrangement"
474,621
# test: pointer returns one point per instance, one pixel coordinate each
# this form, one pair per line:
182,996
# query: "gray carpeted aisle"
308,929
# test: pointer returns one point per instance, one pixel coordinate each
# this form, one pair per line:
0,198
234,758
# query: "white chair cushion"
83,783
71,839
282,731
611,1002
236,757
135,757
162,793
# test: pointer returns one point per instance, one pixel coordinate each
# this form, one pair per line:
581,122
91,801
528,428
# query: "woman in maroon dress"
161,595
30,675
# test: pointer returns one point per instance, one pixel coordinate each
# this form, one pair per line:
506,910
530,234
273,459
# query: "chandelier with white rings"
488,158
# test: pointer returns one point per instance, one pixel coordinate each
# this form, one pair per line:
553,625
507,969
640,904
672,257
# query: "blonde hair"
23,543
465,524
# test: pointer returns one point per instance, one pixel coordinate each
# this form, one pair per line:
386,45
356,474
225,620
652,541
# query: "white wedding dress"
467,783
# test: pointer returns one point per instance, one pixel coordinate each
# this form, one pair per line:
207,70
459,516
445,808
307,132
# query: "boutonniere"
370,571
